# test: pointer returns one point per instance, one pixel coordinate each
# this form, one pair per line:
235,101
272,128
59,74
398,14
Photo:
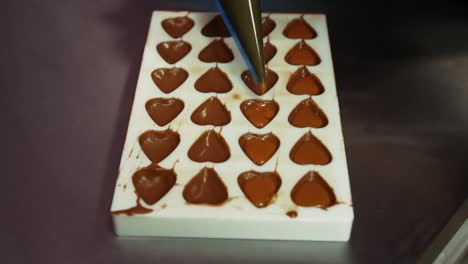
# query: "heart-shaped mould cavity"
313,190
269,51
157,145
259,112
206,188
164,110
270,80
216,28
302,54
308,114
169,79
268,26
176,27
259,148
299,29
211,112
153,182
310,150
216,51
302,81
213,81
209,147
259,187
174,50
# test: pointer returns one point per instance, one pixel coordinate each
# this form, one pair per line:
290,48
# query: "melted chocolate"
267,26
216,51
157,145
259,187
164,110
174,50
307,114
176,27
303,82
213,81
206,188
260,89
302,54
259,112
259,148
313,190
209,147
299,29
138,209
269,51
211,112
292,214
309,150
153,182
216,28
169,79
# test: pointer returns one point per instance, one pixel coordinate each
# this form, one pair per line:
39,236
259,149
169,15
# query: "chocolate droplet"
304,82
206,188
213,81
174,50
269,51
259,148
313,190
302,54
164,110
267,26
216,28
176,27
299,29
138,209
211,112
309,150
153,182
216,51
157,145
259,112
209,147
259,187
271,79
292,214
169,79
307,114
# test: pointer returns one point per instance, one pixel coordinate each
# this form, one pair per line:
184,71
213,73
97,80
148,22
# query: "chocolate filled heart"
313,190
176,27
259,112
209,147
216,51
174,50
302,54
307,114
213,81
302,81
299,29
157,145
153,182
164,110
269,51
309,150
259,148
206,188
211,112
267,26
260,89
169,79
216,28
259,187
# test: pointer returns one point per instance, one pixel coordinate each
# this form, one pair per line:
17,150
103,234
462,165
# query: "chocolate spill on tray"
213,81
216,51
299,29
259,187
169,79
206,187
307,114
310,150
267,26
157,145
271,79
211,112
302,54
164,110
313,190
259,112
176,27
209,147
138,209
269,51
259,148
302,81
292,214
174,50
153,182
216,28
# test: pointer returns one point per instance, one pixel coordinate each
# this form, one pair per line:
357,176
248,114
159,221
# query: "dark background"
68,71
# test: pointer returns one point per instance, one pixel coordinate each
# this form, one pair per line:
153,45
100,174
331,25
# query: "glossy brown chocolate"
169,79
299,29
211,112
313,190
310,150
259,148
174,50
260,89
213,81
259,112
153,182
302,54
303,81
216,51
267,26
307,114
176,27
259,187
138,209
209,147
216,28
206,188
292,214
164,110
269,51
157,145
